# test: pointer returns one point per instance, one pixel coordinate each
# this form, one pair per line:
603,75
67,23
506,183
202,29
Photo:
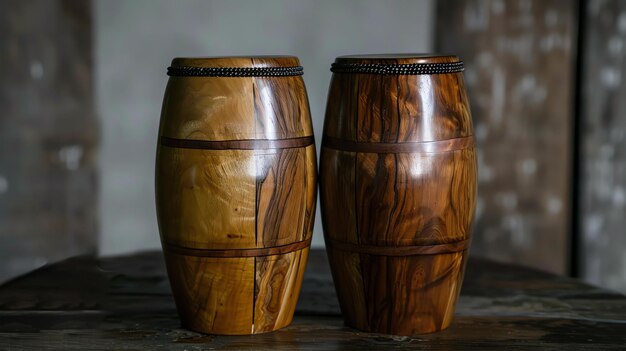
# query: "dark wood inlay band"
246,144
406,147
399,250
257,252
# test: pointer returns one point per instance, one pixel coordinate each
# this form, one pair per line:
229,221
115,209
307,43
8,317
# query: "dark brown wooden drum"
236,191
398,189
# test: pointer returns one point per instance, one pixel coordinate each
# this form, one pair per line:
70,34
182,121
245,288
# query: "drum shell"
235,191
398,193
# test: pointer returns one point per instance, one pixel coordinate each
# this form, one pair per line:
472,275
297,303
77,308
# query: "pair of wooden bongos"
236,185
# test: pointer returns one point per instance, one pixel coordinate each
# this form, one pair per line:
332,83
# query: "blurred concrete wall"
135,41
48,134
520,75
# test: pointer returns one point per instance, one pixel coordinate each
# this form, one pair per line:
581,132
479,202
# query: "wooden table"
124,302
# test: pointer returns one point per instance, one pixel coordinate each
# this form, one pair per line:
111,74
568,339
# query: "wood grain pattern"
235,184
415,199
397,218
346,268
411,294
206,198
215,108
208,108
213,294
395,116
310,176
286,117
340,167
234,296
281,192
277,286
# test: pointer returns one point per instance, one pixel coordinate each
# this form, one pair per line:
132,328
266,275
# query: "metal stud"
398,69
189,71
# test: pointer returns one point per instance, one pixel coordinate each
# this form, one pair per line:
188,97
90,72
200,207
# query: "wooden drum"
398,189
235,191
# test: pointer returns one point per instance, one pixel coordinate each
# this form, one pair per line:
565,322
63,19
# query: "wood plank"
441,184
206,198
281,108
310,170
402,115
346,92
417,294
125,303
519,58
437,285
351,294
339,165
225,309
277,287
208,108
281,197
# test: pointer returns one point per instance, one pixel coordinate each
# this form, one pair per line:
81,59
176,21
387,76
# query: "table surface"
124,302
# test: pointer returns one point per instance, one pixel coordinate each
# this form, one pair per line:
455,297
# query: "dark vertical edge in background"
356,161
577,145
98,124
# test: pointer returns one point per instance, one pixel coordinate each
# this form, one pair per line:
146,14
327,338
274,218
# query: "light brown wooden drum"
397,189
235,191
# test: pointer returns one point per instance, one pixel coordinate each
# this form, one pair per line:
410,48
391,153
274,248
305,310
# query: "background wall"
135,41
545,80
48,134
520,71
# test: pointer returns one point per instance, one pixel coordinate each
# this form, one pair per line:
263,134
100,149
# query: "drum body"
235,191
398,190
